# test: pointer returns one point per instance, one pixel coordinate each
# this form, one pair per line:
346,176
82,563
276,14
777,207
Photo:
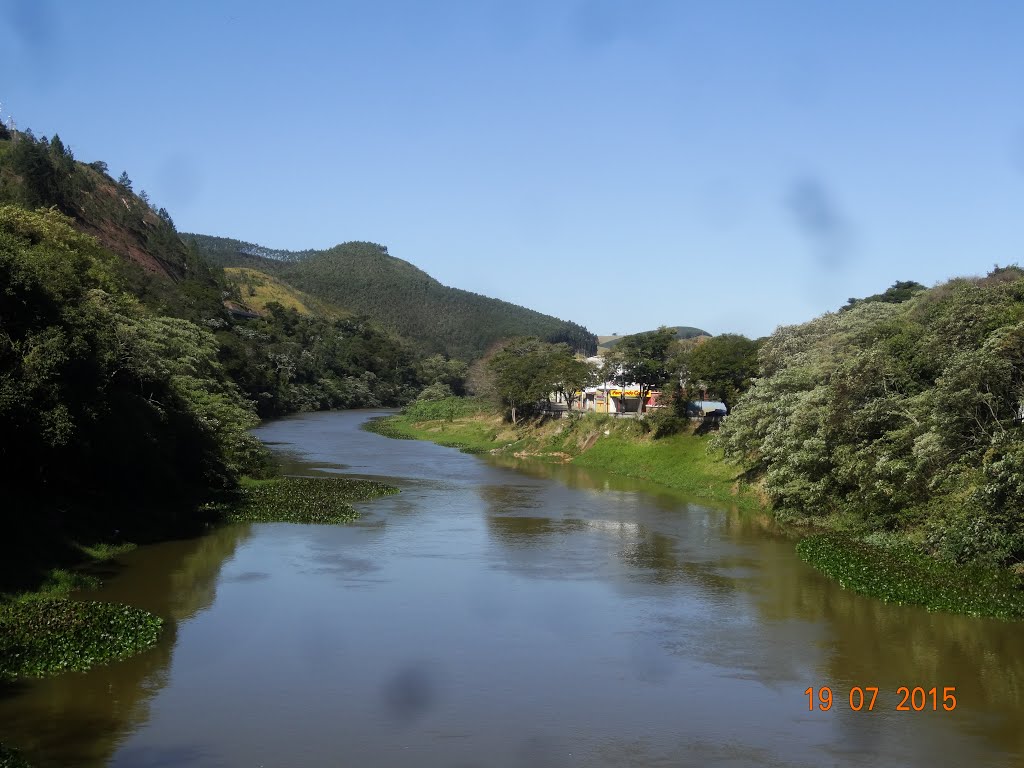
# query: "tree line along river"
516,615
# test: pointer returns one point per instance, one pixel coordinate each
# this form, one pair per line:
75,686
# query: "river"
523,615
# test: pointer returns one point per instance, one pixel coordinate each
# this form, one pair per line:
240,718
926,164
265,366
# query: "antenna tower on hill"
10,123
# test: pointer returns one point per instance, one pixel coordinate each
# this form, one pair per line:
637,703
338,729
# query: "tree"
897,293
114,415
437,369
124,181
724,364
525,371
568,374
519,370
643,359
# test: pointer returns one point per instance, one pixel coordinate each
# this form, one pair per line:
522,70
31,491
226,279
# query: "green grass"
323,501
104,551
258,289
454,422
682,462
903,575
45,636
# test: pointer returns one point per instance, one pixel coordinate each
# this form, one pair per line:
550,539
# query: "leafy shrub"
663,422
902,415
448,409
436,391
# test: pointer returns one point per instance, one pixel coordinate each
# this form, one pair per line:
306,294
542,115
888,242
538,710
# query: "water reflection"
78,719
741,562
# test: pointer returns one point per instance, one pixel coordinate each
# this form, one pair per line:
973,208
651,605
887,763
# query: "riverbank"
893,571
683,462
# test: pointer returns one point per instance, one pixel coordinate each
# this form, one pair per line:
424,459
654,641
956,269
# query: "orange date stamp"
865,699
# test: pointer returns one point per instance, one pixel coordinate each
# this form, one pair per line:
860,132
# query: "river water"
513,616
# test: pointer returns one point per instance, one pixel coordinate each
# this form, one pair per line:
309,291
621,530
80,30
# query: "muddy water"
513,616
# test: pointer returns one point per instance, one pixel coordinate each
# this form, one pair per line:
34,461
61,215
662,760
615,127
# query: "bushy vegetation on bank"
286,361
131,378
112,418
900,415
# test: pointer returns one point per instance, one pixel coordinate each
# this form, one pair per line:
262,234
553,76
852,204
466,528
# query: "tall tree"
643,359
567,373
518,370
724,364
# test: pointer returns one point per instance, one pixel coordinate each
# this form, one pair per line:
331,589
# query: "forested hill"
131,375
364,279
155,264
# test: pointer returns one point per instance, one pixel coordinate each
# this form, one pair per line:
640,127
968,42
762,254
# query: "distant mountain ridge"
363,278
682,332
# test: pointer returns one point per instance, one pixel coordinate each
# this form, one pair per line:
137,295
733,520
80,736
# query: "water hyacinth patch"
10,758
323,501
40,637
905,576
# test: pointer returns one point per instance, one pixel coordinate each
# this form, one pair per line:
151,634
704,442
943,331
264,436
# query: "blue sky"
733,165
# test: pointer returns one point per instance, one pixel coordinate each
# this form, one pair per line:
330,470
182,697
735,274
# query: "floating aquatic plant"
40,637
11,758
323,501
905,576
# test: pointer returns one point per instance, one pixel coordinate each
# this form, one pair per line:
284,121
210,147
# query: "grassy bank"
599,442
899,572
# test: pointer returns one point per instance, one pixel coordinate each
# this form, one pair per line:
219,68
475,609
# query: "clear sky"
623,164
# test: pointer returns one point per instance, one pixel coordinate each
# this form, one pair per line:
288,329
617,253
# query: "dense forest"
364,279
898,416
132,369
282,360
106,408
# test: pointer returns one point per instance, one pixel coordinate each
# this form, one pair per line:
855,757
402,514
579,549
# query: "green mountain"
605,343
364,279
279,359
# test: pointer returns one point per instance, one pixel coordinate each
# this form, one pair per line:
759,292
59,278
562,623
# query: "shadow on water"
741,562
79,719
